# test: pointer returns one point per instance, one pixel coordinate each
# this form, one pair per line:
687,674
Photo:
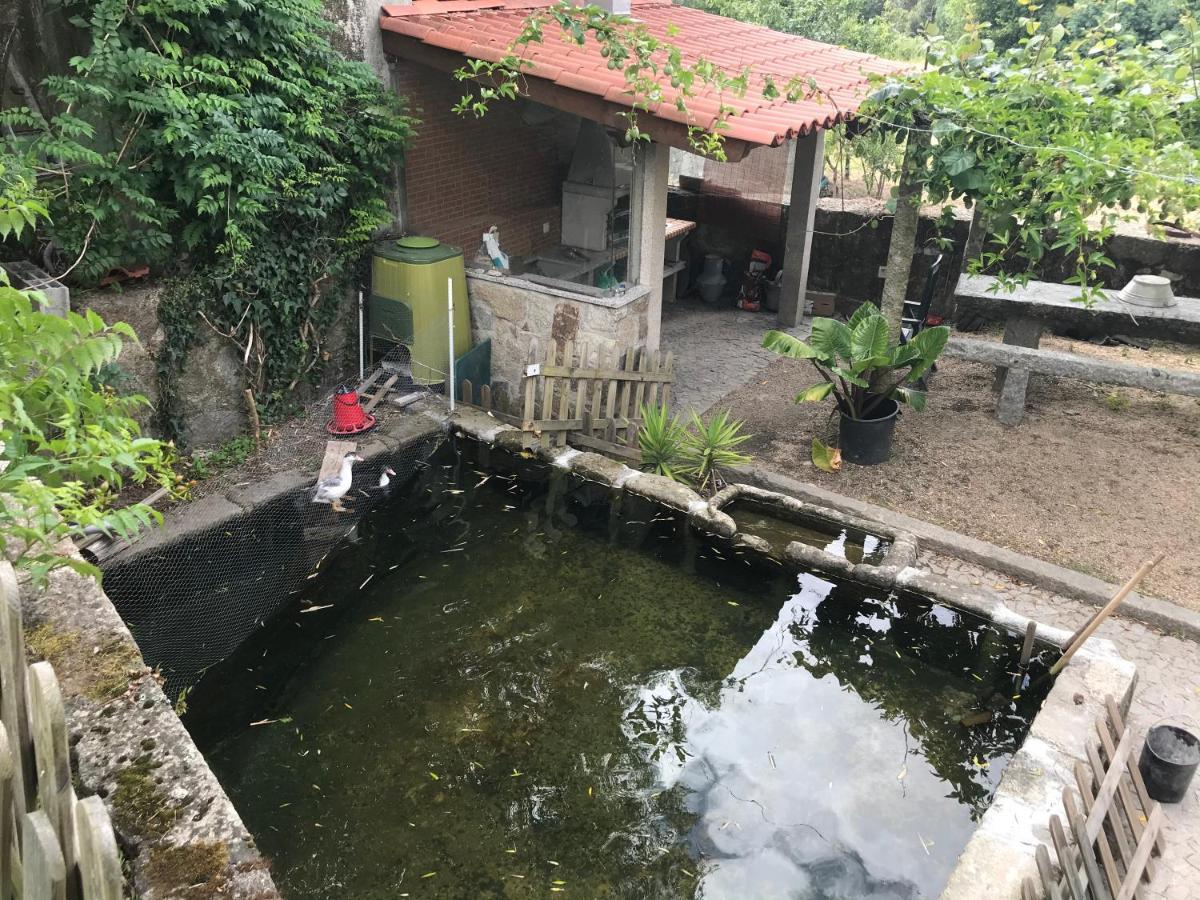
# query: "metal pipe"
450,329
361,363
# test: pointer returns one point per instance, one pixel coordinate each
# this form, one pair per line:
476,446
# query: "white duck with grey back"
331,490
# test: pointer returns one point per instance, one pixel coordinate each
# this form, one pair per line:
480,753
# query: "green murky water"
519,691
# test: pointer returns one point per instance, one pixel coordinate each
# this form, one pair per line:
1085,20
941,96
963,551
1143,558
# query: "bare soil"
1094,479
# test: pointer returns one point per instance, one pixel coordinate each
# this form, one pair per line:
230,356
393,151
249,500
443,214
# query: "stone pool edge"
1000,853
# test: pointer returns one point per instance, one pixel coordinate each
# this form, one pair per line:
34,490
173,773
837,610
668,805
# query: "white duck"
332,490
385,478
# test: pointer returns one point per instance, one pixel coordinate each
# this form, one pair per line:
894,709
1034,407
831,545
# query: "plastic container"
711,282
1168,762
868,442
409,305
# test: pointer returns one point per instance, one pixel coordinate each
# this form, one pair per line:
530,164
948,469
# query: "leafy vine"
226,143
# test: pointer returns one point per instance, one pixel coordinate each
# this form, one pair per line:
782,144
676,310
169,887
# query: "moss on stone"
101,674
138,805
198,866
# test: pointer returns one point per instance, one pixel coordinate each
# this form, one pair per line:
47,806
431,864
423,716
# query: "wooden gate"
592,396
52,844
1105,850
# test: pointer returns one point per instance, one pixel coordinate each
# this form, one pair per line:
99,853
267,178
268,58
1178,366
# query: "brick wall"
463,175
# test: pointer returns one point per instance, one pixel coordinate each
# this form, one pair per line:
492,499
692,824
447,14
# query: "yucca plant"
661,439
711,447
857,363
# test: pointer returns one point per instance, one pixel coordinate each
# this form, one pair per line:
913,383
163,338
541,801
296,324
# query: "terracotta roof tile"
484,29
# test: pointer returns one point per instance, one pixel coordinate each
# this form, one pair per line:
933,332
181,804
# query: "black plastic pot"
868,442
1168,762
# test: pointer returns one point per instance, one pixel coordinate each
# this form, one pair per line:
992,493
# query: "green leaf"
830,338
816,393
827,459
914,398
786,345
869,339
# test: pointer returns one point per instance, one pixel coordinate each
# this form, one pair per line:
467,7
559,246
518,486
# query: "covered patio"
582,214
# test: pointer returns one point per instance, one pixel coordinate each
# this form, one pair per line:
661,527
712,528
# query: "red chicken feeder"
348,416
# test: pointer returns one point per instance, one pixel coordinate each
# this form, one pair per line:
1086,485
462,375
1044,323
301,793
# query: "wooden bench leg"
1020,332
1010,408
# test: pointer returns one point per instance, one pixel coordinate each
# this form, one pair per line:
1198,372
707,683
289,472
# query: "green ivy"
68,444
228,142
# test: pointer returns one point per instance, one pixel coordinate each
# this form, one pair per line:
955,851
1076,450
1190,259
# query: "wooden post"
99,861
48,721
43,871
12,687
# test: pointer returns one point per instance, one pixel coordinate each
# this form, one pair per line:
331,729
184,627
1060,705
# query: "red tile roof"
484,29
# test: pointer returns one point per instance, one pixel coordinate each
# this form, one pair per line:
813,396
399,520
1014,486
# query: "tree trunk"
945,304
904,232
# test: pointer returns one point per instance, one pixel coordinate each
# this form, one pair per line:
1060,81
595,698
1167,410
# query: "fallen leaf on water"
315,608
514,850
347,705
376,619
903,772
434,776
732,603
553,862
429,874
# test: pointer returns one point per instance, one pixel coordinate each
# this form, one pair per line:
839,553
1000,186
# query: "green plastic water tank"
410,283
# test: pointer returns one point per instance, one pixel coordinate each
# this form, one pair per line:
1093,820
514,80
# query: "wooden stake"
1078,639
255,424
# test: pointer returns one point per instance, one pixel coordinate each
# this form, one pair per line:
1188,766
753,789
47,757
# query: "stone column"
806,190
647,229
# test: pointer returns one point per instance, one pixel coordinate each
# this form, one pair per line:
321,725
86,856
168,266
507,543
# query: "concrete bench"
1015,364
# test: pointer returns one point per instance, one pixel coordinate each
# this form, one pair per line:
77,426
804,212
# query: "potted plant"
867,374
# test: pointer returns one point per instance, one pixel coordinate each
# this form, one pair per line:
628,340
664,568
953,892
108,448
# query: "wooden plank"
548,386
610,402
557,425
1085,843
1132,814
12,688
581,387
643,363
628,364
485,397
467,392
44,872
647,377
1085,778
1046,870
1029,890
335,451
1027,645
564,402
1087,846
1092,774
668,369
1108,787
1142,856
653,387
595,443
1117,721
370,380
1066,861
380,394
529,383
48,723
99,861
7,814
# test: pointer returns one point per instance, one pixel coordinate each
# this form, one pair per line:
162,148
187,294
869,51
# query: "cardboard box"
823,302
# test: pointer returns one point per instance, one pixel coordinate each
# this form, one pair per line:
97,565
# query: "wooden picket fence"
53,846
1106,849
592,396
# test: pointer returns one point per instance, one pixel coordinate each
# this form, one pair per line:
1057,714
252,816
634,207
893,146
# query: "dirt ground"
1095,479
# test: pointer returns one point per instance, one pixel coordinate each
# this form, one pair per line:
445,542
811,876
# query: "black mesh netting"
230,557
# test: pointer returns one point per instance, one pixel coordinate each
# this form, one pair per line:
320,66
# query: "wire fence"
233,554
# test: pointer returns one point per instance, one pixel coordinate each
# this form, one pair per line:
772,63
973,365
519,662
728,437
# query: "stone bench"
1015,364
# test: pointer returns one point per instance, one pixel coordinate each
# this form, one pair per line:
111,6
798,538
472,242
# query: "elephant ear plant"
865,373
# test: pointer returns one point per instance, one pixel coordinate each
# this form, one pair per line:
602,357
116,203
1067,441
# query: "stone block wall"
518,315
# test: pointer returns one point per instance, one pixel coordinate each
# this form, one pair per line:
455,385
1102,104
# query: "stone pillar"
647,229
806,190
